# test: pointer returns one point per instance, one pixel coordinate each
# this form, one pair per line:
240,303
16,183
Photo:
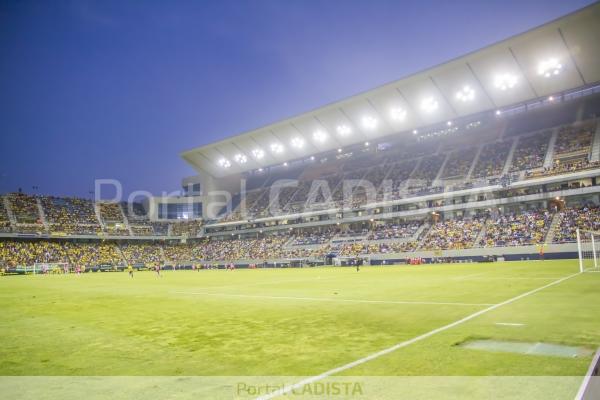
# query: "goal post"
48,268
587,249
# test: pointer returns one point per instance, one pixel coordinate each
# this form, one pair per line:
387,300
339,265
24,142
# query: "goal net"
588,244
49,268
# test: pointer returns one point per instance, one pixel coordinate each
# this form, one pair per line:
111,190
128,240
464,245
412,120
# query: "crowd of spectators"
314,237
572,139
366,248
70,215
395,230
522,229
399,172
453,234
584,218
564,167
189,228
429,167
4,220
27,253
518,229
110,212
24,208
459,162
492,159
531,151
149,254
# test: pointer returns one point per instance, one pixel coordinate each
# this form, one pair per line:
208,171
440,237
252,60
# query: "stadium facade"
496,153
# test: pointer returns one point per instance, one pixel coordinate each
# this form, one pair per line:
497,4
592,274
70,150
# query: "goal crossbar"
587,249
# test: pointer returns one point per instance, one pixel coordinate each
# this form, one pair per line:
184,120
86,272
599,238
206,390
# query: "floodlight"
240,158
319,136
276,148
258,153
429,104
465,94
398,114
225,163
343,130
369,122
298,142
549,67
505,81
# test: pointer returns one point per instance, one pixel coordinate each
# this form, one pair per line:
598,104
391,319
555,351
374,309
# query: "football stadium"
436,237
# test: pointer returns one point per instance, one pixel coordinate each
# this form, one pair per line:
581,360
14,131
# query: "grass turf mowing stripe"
334,300
400,345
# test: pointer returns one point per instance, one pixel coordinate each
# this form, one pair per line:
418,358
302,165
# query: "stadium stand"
492,159
587,218
70,215
527,228
464,160
531,151
453,234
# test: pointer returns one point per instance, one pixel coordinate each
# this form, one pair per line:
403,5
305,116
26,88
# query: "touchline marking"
509,324
513,278
307,381
334,300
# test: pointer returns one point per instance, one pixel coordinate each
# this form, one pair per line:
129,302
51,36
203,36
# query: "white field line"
288,389
458,278
333,300
509,324
243,285
512,278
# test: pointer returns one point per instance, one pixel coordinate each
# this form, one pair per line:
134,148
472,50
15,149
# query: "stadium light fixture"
505,81
258,153
551,98
465,94
449,123
429,104
224,163
498,112
312,158
240,158
367,144
398,114
415,131
276,148
343,130
319,136
298,142
339,150
369,122
285,164
549,67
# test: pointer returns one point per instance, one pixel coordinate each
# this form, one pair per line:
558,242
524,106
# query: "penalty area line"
433,303
308,381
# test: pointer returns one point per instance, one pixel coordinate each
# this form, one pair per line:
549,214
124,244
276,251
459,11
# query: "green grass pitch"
297,322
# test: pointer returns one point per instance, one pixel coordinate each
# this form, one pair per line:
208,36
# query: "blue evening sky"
117,89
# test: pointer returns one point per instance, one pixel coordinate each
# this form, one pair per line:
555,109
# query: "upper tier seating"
492,159
70,215
531,151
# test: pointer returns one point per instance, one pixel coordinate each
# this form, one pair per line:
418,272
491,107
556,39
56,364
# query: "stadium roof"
559,56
